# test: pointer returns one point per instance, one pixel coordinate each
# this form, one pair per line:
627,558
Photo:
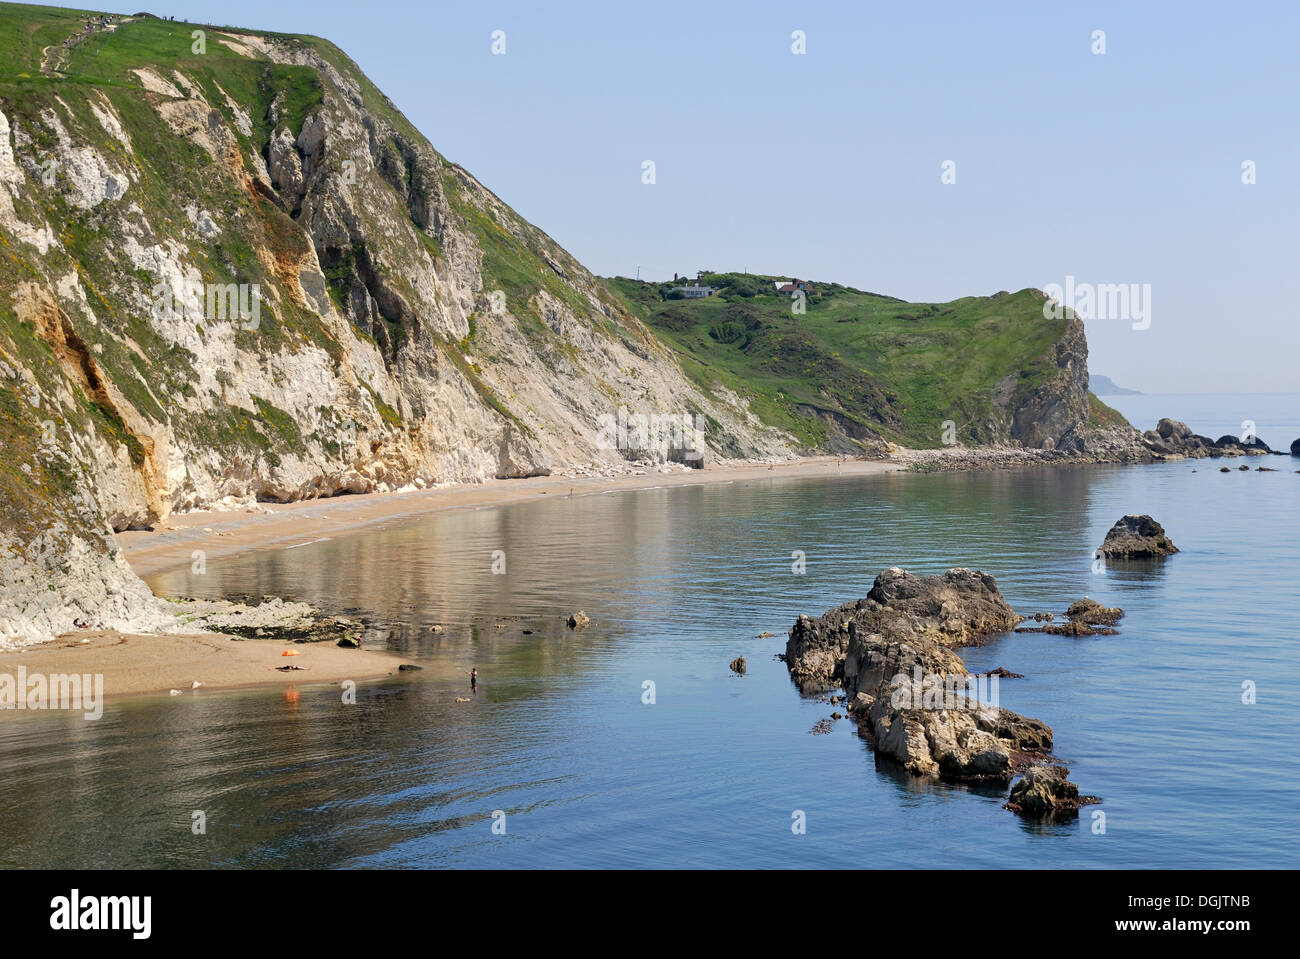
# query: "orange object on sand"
291,652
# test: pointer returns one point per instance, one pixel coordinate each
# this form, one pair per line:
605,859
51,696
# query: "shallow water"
678,582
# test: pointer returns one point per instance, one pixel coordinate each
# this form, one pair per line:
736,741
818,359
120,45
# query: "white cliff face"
217,300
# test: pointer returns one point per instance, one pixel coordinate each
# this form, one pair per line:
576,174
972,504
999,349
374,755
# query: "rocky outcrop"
1136,536
1231,445
1086,443
912,697
1172,438
1093,613
933,728
904,621
1045,792
910,693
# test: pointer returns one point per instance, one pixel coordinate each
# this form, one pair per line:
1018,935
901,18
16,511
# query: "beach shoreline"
224,533
148,663
137,664
133,664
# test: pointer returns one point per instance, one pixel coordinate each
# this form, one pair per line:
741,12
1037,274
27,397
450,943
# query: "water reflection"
679,582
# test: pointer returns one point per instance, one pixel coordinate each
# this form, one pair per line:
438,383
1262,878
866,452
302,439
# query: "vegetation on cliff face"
448,338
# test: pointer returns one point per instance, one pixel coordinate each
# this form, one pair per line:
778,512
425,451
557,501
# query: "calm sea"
559,747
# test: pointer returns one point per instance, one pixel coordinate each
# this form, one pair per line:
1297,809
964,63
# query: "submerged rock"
1003,673
1046,792
1137,536
1072,628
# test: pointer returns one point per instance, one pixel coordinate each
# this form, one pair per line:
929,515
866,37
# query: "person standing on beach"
473,680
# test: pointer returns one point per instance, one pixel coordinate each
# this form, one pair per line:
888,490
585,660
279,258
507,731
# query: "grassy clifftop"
861,363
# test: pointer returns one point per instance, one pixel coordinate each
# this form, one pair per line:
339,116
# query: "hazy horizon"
1122,167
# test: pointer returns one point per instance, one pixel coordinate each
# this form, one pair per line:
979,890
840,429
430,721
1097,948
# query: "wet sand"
135,664
288,525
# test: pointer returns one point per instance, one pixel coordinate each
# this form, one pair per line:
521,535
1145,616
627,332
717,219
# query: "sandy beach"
135,664
287,525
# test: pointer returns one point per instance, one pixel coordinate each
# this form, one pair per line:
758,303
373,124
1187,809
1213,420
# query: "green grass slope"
867,363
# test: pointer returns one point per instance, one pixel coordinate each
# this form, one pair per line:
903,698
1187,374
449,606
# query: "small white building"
695,291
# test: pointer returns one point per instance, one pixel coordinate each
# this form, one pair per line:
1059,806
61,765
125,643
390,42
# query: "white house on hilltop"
695,291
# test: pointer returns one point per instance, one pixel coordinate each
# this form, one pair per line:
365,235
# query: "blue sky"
1117,168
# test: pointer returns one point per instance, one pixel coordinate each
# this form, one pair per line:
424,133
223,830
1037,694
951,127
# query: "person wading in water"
473,680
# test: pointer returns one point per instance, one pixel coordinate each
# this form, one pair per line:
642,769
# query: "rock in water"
907,688
738,665
1046,792
1093,613
956,737
1137,536
1295,447
578,620
1072,628
1004,673
903,621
